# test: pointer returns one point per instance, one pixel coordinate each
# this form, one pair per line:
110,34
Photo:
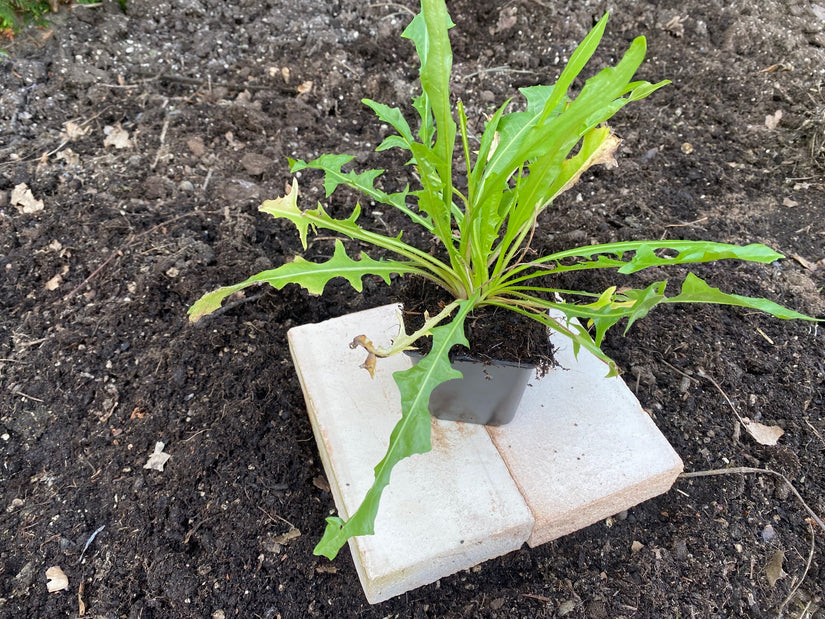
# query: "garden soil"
148,138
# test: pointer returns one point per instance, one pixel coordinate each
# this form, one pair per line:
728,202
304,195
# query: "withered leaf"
762,434
56,579
773,570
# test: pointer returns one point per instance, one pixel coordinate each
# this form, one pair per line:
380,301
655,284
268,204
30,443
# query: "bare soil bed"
151,136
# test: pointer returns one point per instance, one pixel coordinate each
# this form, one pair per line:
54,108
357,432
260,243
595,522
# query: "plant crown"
521,162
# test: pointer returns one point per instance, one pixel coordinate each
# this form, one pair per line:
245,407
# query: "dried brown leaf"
81,605
56,579
54,282
773,570
116,136
762,434
321,483
287,537
804,262
74,131
23,198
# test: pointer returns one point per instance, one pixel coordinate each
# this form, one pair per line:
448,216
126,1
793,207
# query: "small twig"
31,342
763,334
162,143
346,66
701,373
748,469
795,588
14,361
89,541
678,371
26,395
394,5
120,85
540,598
206,182
806,421
501,69
273,518
195,434
228,85
687,224
270,516
542,4
194,529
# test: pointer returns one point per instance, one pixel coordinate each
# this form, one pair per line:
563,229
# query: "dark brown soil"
493,333
98,361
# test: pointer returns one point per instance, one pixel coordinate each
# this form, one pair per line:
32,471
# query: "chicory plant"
522,162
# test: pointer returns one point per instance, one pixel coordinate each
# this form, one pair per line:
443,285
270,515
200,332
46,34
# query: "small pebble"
186,187
565,608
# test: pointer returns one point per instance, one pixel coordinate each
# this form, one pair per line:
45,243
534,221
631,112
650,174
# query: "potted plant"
522,161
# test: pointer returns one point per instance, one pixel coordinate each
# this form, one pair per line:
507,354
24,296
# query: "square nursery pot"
488,393
579,449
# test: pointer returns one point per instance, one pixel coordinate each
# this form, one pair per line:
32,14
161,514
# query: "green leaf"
364,182
436,65
696,290
392,116
409,437
428,31
697,252
428,266
644,256
310,275
333,176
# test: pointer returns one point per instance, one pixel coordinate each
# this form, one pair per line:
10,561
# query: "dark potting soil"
151,137
493,333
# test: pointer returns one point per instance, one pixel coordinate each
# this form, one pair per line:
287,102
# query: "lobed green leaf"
312,276
364,182
410,436
696,290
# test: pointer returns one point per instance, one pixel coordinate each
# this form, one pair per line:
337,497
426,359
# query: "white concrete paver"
580,449
443,511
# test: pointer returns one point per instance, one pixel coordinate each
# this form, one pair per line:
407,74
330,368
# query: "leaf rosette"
523,160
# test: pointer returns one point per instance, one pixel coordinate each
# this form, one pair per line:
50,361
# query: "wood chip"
157,459
287,537
772,120
804,262
321,483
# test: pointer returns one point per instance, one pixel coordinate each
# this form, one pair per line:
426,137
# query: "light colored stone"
581,448
443,511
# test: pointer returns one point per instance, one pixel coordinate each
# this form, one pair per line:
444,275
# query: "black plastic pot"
489,392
